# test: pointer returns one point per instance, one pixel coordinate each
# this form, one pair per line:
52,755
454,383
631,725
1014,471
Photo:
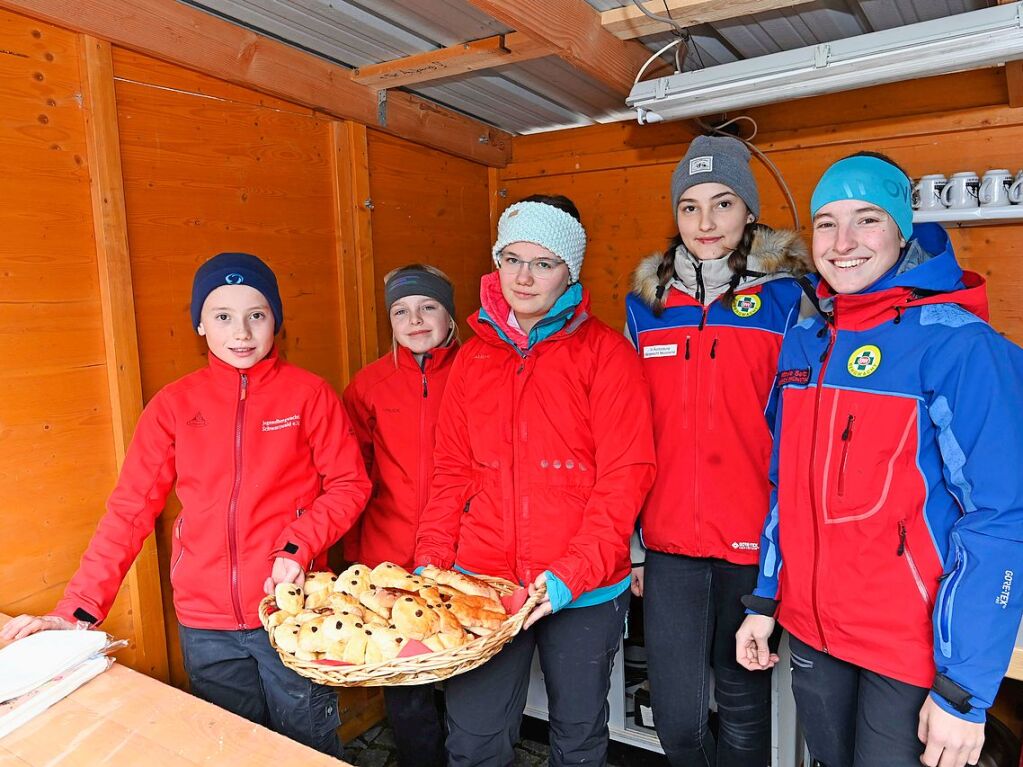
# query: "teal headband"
871,180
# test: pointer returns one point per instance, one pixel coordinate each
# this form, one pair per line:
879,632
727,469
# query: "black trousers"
852,717
577,647
416,725
691,611
240,671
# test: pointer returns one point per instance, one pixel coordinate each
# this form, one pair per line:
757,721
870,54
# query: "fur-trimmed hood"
775,253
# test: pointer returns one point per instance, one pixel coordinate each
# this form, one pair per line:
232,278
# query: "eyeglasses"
540,268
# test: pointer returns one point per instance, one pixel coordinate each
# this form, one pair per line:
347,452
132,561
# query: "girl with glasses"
707,318
544,455
394,403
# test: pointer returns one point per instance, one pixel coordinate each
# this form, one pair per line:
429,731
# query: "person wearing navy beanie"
236,269
269,474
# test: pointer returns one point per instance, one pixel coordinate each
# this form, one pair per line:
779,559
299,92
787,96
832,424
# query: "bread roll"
286,637
318,581
389,575
354,580
311,637
289,597
413,618
466,584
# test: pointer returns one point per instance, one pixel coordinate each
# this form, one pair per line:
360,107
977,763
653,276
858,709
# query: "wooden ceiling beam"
462,59
179,34
573,30
629,22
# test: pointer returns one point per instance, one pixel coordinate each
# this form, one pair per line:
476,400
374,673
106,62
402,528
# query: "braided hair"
736,263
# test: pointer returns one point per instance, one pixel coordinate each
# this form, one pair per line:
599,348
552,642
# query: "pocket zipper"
181,549
846,440
903,550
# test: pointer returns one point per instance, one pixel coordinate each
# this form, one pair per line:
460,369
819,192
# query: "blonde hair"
453,334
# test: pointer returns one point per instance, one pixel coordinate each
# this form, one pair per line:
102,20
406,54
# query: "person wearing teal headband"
893,536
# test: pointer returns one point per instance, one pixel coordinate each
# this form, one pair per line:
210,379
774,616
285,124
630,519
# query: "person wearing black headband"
394,404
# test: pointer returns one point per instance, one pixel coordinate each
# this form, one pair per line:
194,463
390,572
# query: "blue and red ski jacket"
896,527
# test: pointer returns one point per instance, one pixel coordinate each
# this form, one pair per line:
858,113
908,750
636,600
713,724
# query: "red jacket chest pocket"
865,454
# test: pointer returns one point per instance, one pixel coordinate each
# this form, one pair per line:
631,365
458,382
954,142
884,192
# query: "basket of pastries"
387,626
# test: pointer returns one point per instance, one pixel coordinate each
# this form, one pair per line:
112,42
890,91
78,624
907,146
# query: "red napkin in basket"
513,602
413,647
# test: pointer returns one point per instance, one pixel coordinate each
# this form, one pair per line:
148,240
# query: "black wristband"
85,617
956,696
760,605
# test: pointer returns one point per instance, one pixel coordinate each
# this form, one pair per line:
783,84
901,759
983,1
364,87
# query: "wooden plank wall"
122,174
619,174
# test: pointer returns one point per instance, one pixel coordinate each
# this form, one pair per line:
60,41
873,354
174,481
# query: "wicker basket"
416,669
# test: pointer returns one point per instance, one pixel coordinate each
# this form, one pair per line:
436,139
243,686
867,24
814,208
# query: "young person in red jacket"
544,456
707,318
394,403
269,475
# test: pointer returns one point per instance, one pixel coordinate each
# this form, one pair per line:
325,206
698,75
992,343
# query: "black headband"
415,282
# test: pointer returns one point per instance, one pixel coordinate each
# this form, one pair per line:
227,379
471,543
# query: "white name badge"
660,350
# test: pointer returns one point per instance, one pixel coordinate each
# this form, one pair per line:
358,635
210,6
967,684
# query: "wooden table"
125,719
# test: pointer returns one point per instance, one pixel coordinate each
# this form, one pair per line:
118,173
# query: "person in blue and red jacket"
394,404
544,456
267,468
707,318
896,523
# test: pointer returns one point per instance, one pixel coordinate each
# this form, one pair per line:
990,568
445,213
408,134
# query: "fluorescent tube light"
964,41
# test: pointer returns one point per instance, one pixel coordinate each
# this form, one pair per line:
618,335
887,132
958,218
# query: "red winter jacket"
711,370
393,404
543,457
266,464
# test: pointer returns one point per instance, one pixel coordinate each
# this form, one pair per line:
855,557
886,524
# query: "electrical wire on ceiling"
720,130
683,40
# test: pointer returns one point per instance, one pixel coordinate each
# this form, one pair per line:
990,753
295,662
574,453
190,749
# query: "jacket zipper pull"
245,385
902,539
687,347
424,386
847,434
703,318
713,348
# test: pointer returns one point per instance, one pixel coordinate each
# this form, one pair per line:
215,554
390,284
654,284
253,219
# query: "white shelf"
970,216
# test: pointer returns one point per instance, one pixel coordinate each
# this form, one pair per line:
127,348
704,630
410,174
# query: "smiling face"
531,289
419,323
711,219
238,325
854,244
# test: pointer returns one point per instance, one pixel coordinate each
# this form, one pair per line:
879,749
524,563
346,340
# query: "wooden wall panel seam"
119,330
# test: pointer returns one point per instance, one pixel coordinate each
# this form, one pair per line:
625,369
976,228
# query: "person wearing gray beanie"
716,160
706,317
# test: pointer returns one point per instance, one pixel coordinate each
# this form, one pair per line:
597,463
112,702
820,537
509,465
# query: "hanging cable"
719,129
653,58
663,19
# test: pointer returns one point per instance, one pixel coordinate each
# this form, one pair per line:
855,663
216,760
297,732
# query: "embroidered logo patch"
864,361
701,164
282,423
796,377
660,350
746,306
234,279
196,420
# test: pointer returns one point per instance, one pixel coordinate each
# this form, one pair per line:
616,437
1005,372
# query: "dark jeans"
691,613
415,724
852,717
576,646
240,671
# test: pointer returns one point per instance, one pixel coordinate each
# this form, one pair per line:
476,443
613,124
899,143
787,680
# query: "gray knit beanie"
716,159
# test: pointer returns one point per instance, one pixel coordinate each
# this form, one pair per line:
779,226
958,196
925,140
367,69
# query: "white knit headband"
546,226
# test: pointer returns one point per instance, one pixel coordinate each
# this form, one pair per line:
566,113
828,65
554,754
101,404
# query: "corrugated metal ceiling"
547,94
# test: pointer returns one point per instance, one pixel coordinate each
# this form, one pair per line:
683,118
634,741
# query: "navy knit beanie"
236,269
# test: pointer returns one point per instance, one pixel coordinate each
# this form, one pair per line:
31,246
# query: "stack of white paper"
41,669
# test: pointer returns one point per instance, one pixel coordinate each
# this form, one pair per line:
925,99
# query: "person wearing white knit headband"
544,454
